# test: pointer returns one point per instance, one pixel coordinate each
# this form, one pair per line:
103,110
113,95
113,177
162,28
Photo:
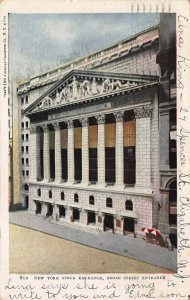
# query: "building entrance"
38,208
108,223
76,214
26,202
61,211
91,217
49,210
128,226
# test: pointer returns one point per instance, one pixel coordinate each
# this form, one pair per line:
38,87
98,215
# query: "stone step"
79,226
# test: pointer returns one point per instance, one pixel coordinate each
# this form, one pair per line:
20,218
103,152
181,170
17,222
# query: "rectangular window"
26,99
172,140
26,124
23,173
27,161
27,149
110,152
27,173
22,137
22,161
27,137
22,100
22,149
93,163
22,125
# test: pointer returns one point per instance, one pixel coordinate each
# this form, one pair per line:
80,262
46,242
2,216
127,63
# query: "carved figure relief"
81,89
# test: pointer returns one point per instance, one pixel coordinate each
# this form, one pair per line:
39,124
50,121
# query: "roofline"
92,53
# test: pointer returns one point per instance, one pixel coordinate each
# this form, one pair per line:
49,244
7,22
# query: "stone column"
44,209
119,163
58,165
164,211
101,149
33,153
85,156
143,133
70,151
164,139
46,156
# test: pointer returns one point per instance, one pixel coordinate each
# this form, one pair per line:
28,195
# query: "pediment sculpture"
81,89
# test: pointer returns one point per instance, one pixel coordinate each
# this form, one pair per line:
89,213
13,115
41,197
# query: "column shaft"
58,164
46,154
70,152
119,149
101,149
33,153
143,131
85,154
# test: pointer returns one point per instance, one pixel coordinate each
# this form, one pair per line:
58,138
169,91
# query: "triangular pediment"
79,86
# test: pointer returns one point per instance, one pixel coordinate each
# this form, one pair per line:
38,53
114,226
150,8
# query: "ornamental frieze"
79,89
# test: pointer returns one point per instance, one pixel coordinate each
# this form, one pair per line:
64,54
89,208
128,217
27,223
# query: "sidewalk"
135,248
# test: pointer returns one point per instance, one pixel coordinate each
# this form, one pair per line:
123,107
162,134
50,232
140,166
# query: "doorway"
61,211
91,218
26,202
49,210
108,223
76,214
128,226
38,208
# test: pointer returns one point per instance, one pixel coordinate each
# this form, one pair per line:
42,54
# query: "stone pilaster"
119,164
58,165
44,209
143,130
33,158
101,149
46,156
85,155
164,139
70,151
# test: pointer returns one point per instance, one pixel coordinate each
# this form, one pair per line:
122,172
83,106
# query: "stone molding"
33,129
143,111
100,119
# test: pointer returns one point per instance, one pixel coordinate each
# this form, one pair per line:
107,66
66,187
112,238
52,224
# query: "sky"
41,42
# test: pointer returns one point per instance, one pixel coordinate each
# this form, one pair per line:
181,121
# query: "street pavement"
131,247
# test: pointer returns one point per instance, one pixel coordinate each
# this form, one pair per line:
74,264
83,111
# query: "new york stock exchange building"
102,146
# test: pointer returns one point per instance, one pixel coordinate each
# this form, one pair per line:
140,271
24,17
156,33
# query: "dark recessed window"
76,198
128,205
23,173
22,124
39,192
22,100
27,173
26,161
22,149
26,124
50,194
26,99
26,187
27,137
22,161
109,202
27,149
91,200
62,196
22,137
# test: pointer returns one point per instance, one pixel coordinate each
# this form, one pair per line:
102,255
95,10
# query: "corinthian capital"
119,116
69,124
33,129
45,128
100,119
56,126
84,121
143,111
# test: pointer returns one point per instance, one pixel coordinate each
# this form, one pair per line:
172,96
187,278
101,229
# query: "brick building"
95,135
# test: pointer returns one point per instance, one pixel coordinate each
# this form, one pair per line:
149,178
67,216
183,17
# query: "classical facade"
90,140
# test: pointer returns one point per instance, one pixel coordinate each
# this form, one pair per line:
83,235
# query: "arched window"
39,192
76,198
109,202
26,187
62,196
91,199
50,194
128,205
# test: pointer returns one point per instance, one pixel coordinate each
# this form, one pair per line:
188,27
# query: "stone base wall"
142,206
